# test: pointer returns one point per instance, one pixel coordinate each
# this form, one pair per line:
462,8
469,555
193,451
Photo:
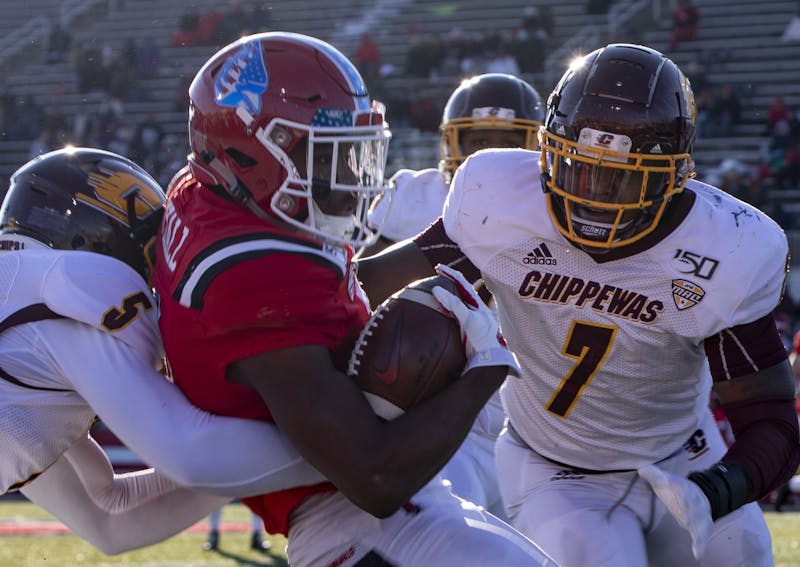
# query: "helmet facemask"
337,170
454,151
603,195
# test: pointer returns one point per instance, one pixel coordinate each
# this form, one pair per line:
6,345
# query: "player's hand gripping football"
483,343
685,501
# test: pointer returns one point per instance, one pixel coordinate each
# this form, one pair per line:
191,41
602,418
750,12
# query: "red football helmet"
284,123
493,102
616,144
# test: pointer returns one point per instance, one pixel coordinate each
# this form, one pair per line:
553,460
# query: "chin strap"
215,173
145,229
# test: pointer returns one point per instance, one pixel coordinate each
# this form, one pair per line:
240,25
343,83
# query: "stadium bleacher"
741,39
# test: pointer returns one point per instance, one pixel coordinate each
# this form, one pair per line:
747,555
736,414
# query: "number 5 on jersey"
118,318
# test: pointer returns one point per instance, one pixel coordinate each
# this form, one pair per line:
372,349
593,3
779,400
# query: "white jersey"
41,414
587,396
417,202
79,338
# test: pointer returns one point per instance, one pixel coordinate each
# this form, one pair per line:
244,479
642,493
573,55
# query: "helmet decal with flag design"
243,80
311,134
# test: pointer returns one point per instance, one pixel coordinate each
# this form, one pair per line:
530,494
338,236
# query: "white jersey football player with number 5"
79,339
493,110
626,289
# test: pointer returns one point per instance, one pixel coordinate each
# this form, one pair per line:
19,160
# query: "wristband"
498,356
726,485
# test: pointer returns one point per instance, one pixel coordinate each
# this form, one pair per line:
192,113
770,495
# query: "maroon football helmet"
83,199
283,122
490,102
616,144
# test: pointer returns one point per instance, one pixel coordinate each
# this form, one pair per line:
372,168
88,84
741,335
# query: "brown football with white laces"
409,350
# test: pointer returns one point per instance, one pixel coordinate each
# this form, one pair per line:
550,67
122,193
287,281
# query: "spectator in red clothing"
777,111
721,420
368,57
684,26
197,29
794,357
424,115
206,29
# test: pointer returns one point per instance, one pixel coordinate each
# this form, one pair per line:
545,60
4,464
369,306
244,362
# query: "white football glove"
686,502
480,334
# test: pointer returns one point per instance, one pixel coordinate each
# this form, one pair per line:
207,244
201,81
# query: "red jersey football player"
260,307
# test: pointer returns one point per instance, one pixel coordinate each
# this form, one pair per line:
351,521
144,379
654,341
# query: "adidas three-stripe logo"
540,256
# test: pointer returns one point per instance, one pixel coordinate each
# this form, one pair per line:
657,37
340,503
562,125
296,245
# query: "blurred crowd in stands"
108,80
431,58
111,78
520,49
211,27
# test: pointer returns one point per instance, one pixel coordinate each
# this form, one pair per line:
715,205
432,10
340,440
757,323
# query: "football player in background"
493,110
626,288
79,339
260,309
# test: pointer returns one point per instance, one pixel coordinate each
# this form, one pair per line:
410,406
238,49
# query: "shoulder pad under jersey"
107,294
417,202
751,247
496,199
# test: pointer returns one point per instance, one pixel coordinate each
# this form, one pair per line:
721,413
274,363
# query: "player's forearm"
416,446
226,456
237,458
766,453
232,457
393,268
768,449
378,465
762,458
115,513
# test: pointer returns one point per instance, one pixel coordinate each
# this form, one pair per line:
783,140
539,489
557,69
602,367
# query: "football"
409,350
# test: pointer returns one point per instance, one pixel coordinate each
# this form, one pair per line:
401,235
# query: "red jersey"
232,286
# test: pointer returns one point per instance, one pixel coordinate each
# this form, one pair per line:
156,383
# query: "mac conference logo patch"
686,294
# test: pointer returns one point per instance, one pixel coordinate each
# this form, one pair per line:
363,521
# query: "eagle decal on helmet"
243,79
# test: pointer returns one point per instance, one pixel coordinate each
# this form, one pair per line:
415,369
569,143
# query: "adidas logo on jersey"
540,256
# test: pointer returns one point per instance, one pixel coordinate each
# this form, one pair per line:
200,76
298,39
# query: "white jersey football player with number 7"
627,289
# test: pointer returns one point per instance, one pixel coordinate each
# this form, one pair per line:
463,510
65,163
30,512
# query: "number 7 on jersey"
589,344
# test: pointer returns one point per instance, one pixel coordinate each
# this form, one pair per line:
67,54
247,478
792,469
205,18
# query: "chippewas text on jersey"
556,288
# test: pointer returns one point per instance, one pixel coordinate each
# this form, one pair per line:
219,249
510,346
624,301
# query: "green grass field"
185,550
